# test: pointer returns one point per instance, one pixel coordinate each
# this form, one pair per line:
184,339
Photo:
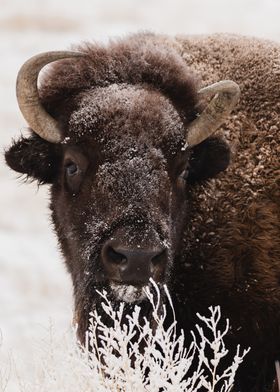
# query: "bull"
141,187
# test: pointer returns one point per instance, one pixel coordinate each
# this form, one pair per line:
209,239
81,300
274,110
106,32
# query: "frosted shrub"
115,362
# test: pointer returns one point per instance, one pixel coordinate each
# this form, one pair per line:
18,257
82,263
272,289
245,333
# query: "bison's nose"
132,266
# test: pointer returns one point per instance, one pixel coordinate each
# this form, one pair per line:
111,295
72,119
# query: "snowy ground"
34,286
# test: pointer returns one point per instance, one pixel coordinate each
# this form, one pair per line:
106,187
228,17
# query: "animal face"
120,185
120,188
117,134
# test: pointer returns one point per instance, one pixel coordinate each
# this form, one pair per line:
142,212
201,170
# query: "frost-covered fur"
128,293
125,109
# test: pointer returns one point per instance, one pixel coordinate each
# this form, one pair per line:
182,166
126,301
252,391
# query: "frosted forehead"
124,111
137,177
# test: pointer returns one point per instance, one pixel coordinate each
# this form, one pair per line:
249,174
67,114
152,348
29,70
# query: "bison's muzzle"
134,266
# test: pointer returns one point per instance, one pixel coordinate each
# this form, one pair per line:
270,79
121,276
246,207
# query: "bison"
140,187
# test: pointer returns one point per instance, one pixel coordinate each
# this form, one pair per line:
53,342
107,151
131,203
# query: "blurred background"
34,285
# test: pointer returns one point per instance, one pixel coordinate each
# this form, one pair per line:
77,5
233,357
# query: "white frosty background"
34,286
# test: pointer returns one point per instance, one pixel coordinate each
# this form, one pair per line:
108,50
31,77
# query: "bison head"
122,153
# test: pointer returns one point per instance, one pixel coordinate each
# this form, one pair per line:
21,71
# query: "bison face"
121,157
120,183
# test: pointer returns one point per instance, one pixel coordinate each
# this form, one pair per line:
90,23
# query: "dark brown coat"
125,110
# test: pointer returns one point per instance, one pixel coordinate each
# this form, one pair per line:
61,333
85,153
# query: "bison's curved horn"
28,97
226,95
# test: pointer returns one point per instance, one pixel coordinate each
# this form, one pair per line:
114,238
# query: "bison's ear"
34,157
208,159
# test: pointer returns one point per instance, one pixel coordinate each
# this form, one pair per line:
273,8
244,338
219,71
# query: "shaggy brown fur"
237,260
125,109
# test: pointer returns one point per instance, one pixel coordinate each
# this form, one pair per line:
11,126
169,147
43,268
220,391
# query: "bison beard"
130,200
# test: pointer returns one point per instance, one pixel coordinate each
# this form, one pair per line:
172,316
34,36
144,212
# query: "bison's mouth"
129,292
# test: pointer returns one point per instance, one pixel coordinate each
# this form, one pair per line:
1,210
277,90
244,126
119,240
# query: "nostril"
115,257
160,258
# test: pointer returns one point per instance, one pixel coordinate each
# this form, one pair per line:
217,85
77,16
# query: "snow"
34,285
128,293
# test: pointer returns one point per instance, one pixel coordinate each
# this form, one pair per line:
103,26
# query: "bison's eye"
74,168
73,176
71,169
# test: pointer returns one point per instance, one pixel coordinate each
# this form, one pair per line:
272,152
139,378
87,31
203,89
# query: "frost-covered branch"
216,378
140,354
